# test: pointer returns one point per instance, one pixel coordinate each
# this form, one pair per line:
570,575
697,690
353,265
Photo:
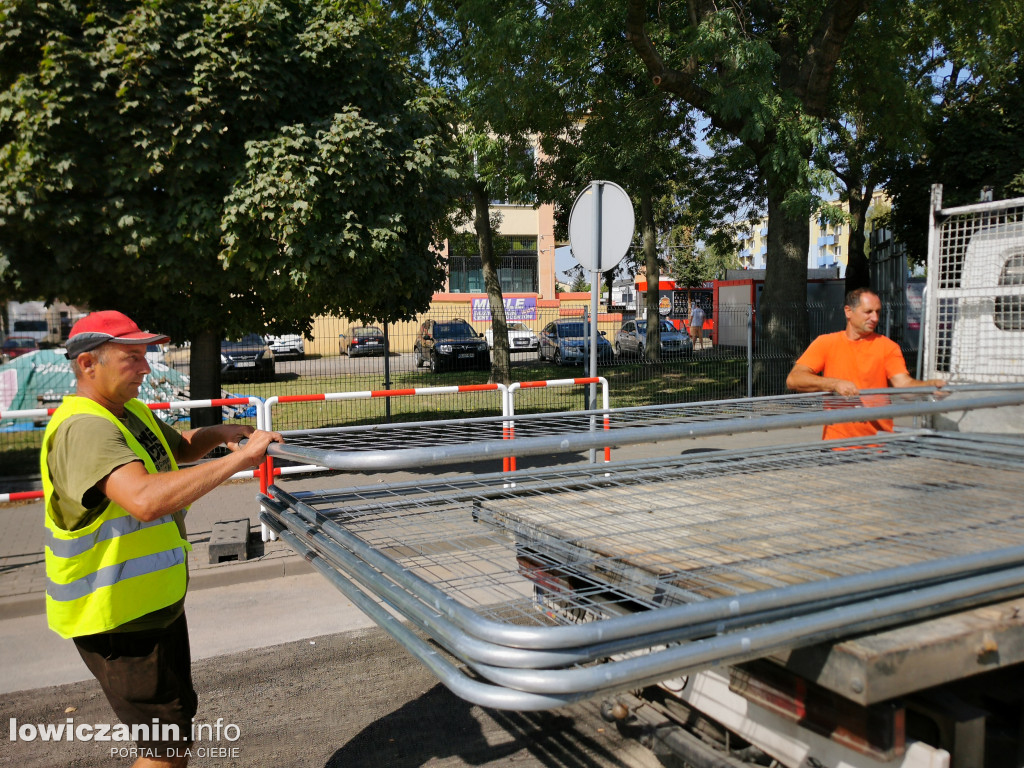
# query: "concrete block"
229,541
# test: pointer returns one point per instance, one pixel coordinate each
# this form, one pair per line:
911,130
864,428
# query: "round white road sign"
605,202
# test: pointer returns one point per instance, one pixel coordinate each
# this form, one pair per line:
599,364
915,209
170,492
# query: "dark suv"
249,358
451,344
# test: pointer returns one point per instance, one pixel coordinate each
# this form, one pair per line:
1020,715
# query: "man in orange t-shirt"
853,359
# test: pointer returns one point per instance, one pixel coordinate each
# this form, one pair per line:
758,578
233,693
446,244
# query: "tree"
762,73
455,47
975,140
874,117
579,280
889,92
618,128
691,264
213,168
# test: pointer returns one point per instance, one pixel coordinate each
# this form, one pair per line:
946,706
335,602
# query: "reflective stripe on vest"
107,577
118,526
117,568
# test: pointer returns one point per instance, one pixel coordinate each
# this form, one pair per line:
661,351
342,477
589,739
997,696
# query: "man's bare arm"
149,496
803,379
906,380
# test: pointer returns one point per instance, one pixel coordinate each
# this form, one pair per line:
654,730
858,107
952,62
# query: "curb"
32,604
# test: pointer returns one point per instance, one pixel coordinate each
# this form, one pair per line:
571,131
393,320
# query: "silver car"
631,340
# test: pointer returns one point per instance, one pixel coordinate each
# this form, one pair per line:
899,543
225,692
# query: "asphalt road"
341,700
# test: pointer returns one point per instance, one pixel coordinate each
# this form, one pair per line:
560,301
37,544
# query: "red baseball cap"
98,328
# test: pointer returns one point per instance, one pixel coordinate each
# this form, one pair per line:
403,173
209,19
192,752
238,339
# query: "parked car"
520,338
16,346
247,358
631,340
568,342
290,344
451,344
155,354
365,340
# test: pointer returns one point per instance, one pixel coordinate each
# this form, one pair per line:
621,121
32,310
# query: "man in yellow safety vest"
116,562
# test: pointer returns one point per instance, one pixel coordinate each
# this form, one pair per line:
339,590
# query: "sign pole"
600,232
595,278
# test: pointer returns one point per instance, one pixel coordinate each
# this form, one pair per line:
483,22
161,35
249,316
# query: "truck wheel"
435,365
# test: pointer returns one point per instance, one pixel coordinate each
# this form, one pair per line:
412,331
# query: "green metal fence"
723,364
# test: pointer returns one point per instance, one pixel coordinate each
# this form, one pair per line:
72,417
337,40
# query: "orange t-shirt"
869,363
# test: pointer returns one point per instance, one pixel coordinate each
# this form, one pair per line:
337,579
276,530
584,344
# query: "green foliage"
975,140
217,166
762,74
579,284
692,264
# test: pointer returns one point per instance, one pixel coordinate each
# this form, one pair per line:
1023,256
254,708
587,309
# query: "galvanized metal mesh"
975,307
461,431
599,541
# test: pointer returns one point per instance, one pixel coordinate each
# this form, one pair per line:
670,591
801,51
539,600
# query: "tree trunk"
782,322
653,271
858,275
204,377
501,365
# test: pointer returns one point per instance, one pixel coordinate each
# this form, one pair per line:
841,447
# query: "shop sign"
515,309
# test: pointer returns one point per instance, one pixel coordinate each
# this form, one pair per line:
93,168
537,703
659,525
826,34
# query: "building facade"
829,241
525,238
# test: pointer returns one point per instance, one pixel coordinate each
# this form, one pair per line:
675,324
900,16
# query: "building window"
517,264
839,250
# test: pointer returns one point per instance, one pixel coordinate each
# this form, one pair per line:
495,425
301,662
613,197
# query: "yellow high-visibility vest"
117,568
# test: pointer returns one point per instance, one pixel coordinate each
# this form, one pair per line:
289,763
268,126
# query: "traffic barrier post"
514,387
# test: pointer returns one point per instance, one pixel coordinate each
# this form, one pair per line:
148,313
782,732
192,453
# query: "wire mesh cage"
975,307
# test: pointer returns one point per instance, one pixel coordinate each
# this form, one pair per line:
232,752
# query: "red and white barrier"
41,413
264,419
510,409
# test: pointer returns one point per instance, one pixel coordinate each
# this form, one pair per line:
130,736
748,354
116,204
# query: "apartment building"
829,241
526,240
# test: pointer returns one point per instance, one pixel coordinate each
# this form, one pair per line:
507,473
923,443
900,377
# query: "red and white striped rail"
41,413
510,409
33,413
370,395
264,418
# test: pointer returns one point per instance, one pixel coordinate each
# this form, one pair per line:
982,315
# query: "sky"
563,261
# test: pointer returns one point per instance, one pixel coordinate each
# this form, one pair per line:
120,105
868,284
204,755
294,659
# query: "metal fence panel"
573,572
975,294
